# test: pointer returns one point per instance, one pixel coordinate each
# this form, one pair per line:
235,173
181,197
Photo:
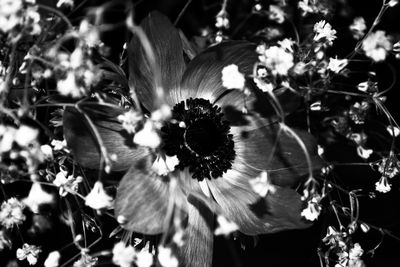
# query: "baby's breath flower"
222,20
393,130
123,255
58,145
9,17
47,151
166,258
7,135
286,44
165,164
52,259
323,31
363,152
389,167
130,120
11,213
28,252
376,46
85,261
69,3
65,184
278,60
89,34
382,185
276,14
97,198
358,27
225,226
313,209
261,185
232,78
25,135
336,65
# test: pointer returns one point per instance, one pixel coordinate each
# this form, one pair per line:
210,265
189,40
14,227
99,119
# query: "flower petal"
259,142
142,199
84,145
198,247
277,211
203,75
167,47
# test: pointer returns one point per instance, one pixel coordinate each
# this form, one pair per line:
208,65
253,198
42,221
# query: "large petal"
260,143
168,52
84,145
203,75
198,247
143,197
253,214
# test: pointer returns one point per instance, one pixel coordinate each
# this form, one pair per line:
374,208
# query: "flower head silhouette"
220,149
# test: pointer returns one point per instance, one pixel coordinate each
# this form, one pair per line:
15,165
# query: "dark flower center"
199,136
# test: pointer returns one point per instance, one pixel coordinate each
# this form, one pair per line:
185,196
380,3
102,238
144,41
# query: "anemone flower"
220,148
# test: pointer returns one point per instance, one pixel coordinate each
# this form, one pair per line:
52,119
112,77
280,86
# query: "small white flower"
222,20
66,184
129,120
164,164
393,131
376,46
58,145
276,14
263,86
26,135
52,259
11,213
286,44
123,255
363,87
147,136
382,185
336,65
323,30
261,185
69,87
364,153
28,252
144,258
313,209
225,226
278,60
97,198
47,151
166,258
392,3
7,135
37,196
161,114
89,33
232,78
358,27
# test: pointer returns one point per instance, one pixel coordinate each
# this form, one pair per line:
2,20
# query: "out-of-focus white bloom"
313,209
261,184
130,120
166,258
52,259
336,65
278,60
4,240
8,14
276,14
363,86
32,18
392,3
232,78
89,33
147,136
161,114
123,255
47,151
323,30
222,20
69,3
264,86
393,130
313,7
11,213
358,27
97,198
382,185
356,251
286,44
7,134
364,153
28,252
144,258
69,87
225,226
164,164
58,145
65,184
376,45
25,135
36,197
85,261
